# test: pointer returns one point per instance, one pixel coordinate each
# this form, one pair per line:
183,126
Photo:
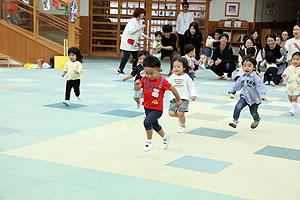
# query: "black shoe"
120,71
254,124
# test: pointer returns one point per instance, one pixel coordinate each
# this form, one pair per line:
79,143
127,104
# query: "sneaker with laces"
181,129
272,83
231,96
254,124
292,112
79,98
120,71
166,140
233,124
66,102
148,146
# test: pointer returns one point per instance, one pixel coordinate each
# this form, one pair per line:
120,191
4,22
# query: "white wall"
84,7
283,10
217,10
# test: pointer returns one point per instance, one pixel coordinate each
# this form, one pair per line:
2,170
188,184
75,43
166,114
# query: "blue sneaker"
120,71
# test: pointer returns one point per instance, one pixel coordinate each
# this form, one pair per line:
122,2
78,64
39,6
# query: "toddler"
253,91
190,53
292,76
156,50
138,72
73,70
186,89
154,86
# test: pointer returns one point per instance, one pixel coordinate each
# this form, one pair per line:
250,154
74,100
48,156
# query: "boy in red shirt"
154,87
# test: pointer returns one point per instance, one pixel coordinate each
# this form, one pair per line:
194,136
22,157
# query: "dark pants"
277,79
271,74
72,84
221,68
126,57
239,107
181,44
171,55
150,121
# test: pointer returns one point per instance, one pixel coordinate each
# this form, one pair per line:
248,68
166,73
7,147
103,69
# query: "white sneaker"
231,96
79,98
138,106
66,102
181,130
202,66
166,140
148,146
267,83
272,83
292,112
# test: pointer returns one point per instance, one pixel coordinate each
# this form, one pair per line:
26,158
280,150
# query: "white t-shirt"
290,47
184,85
183,22
131,36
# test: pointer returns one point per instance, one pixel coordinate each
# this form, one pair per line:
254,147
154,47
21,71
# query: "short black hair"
185,3
157,33
270,58
250,59
248,38
251,51
143,53
188,48
76,51
223,35
271,36
296,54
152,61
167,28
218,31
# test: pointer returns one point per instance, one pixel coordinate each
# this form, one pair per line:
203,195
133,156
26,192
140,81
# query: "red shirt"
148,91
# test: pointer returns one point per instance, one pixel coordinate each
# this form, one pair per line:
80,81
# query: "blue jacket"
253,89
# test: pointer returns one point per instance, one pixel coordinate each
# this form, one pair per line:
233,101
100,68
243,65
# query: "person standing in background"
184,19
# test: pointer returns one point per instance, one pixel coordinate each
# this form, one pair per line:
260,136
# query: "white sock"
181,124
294,106
150,141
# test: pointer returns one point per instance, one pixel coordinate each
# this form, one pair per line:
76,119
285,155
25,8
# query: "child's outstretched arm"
137,85
127,77
236,87
176,94
64,73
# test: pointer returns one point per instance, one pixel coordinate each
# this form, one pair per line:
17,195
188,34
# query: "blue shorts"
207,51
183,107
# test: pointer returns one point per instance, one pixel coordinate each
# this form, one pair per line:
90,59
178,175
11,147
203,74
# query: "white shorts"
293,92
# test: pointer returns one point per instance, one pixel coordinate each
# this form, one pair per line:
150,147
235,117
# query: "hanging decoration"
66,12
73,11
46,4
55,4
26,1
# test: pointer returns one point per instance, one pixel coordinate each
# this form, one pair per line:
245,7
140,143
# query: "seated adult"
168,47
222,59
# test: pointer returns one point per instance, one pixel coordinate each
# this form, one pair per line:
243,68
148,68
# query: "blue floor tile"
280,152
222,134
8,131
200,164
62,106
123,113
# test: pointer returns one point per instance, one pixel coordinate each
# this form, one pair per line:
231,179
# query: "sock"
150,141
294,106
181,124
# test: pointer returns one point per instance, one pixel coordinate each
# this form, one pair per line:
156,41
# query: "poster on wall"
55,4
232,9
46,4
73,11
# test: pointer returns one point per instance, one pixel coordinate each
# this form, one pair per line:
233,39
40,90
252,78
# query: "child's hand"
218,61
283,75
76,71
137,83
297,46
211,62
264,99
193,98
62,75
178,103
124,79
229,92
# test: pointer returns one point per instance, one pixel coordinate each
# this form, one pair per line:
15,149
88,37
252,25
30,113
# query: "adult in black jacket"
193,36
222,59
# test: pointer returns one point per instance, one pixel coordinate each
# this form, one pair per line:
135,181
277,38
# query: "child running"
138,72
186,89
253,91
73,69
190,53
154,86
292,77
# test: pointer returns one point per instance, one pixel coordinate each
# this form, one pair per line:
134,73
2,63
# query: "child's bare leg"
161,133
149,134
181,118
290,98
173,113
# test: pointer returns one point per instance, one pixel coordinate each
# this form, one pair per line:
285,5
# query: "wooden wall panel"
84,40
23,47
